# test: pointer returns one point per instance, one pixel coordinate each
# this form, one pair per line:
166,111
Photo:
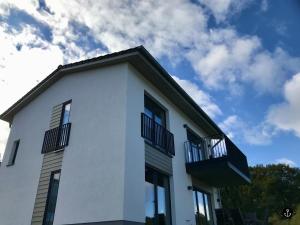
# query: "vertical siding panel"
52,161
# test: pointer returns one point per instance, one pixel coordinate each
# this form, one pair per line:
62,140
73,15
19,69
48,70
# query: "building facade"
114,141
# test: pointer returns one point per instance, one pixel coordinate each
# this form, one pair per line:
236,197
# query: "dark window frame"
193,138
63,111
62,119
13,153
154,107
156,173
48,196
156,133
209,204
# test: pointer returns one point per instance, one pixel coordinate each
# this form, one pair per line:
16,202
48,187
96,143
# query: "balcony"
157,135
56,138
217,161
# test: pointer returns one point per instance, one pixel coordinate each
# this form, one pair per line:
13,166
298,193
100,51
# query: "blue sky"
239,60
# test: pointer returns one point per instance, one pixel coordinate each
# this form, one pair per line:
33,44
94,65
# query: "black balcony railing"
207,148
56,138
157,135
194,152
212,148
236,157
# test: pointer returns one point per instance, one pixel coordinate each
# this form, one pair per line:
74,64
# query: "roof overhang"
143,62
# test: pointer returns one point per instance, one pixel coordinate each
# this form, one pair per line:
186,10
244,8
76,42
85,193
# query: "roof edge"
69,68
8,114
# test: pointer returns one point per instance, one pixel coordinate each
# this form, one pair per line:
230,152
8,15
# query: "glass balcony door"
202,208
196,150
157,200
65,119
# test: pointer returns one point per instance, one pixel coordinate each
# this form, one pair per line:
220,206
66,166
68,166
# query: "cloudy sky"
238,59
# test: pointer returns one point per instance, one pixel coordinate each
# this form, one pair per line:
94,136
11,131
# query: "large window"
13,154
154,127
157,198
154,111
202,208
52,198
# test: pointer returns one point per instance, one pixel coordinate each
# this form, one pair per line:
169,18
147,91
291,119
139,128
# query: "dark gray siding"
52,161
158,159
55,116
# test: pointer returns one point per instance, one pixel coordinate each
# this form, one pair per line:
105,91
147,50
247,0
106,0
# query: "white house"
114,140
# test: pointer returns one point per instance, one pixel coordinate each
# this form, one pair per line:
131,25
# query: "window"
196,147
65,118
202,208
13,154
57,138
155,112
52,198
157,198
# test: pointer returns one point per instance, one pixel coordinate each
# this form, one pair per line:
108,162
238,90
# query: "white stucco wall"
92,177
103,171
18,183
181,197
92,181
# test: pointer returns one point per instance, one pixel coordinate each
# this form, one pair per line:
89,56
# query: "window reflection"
202,208
157,198
154,111
149,203
207,208
66,113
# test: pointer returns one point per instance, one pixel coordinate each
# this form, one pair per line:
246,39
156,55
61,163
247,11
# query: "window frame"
206,204
193,138
13,153
63,112
48,196
155,175
155,106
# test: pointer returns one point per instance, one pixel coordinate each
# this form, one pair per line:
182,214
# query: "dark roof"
134,56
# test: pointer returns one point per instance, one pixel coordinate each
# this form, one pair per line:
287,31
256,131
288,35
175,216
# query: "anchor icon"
287,213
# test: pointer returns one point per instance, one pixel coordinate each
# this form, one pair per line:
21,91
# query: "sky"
238,59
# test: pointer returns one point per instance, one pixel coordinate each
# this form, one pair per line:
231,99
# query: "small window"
52,198
13,154
66,113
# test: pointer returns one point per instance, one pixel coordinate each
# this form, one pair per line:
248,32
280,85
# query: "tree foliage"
272,188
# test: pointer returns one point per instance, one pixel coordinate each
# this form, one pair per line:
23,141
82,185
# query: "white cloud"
286,162
21,70
222,58
203,99
229,61
222,9
135,22
285,116
238,129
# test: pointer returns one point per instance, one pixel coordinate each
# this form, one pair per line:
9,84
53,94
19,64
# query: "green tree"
272,188
277,220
